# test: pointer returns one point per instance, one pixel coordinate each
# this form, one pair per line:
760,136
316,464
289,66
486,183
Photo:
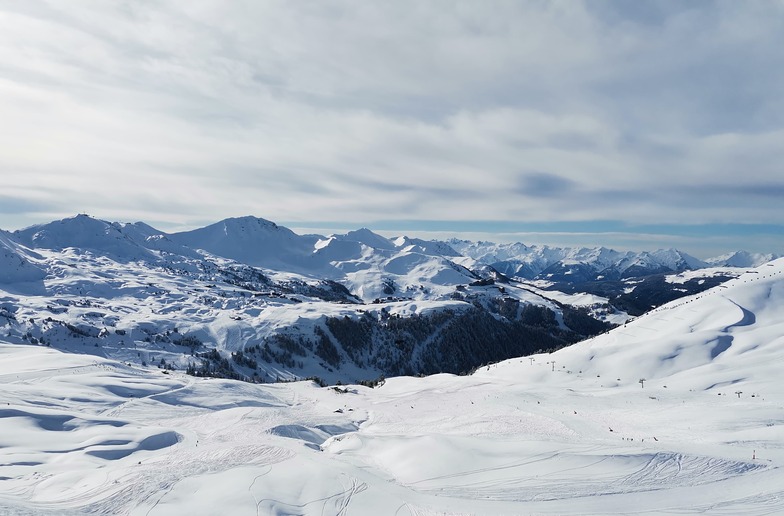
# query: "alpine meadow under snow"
677,411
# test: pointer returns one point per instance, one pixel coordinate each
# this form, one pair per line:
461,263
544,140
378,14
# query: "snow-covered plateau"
678,411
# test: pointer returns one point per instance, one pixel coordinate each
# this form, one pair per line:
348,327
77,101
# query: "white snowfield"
679,412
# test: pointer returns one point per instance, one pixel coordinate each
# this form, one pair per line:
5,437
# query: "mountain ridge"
261,242
342,307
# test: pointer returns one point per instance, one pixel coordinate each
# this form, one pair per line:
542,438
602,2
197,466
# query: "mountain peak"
367,237
251,240
249,221
83,232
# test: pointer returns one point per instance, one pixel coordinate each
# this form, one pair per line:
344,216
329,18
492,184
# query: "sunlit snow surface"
574,432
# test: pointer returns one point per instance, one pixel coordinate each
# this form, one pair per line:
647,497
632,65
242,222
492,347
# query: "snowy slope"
432,247
728,334
376,267
253,241
15,263
742,259
84,233
368,238
568,433
156,240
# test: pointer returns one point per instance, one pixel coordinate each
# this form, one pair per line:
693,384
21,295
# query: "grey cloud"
539,184
638,110
390,185
754,193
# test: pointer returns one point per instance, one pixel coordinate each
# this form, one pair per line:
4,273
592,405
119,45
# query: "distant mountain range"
261,243
592,263
248,298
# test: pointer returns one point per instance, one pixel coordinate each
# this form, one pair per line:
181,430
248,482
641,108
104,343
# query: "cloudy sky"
640,124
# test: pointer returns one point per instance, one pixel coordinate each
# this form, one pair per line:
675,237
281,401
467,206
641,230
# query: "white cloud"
193,111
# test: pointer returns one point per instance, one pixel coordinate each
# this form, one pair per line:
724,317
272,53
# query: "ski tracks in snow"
561,476
336,504
115,411
156,478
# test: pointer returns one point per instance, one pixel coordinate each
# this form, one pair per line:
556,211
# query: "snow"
253,241
572,432
16,265
367,237
742,259
685,276
431,247
518,259
598,306
84,233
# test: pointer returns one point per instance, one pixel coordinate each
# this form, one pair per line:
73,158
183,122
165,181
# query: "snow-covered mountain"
261,243
343,307
575,264
375,267
678,411
155,240
742,259
15,263
248,298
254,241
84,233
